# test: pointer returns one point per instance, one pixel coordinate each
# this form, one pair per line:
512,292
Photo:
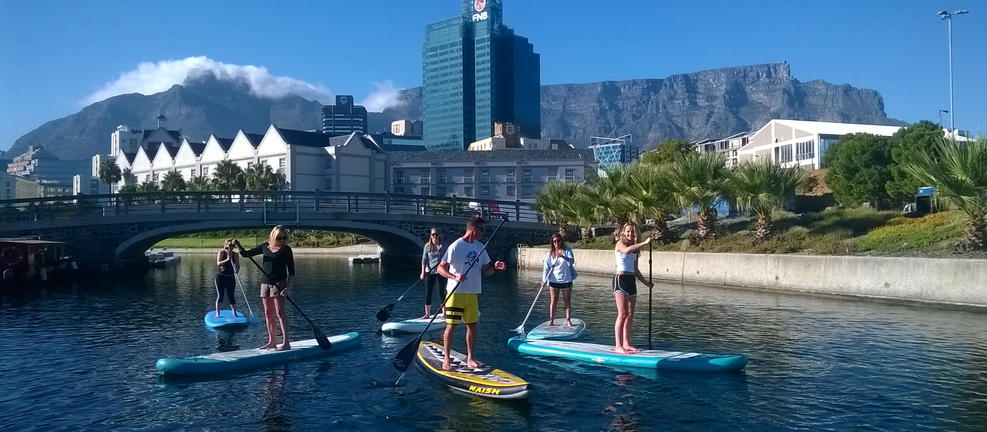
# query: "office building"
727,147
610,152
802,143
344,118
408,128
476,72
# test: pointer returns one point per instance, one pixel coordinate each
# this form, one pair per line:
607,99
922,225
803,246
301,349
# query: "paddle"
520,329
650,288
242,291
319,336
385,313
403,359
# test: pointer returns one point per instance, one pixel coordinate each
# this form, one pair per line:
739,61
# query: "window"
468,191
527,174
468,175
328,183
485,175
511,190
328,163
442,175
510,175
155,177
484,191
440,190
426,177
424,191
804,150
526,190
205,171
191,173
570,174
399,190
398,176
281,164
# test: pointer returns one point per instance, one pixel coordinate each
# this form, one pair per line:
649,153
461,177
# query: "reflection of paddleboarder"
462,304
228,262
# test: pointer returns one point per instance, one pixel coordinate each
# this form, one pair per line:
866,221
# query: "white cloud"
150,78
386,96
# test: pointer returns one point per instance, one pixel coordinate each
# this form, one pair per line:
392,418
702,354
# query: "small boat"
649,359
559,330
162,259
484,381
364,259
233,361
24,261
226,320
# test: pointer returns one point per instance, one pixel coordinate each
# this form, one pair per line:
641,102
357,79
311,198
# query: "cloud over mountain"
155,77
386,96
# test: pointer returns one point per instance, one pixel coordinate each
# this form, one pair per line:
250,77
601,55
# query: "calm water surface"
81,356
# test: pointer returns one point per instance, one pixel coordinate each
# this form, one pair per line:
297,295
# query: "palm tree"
198,184
260,177
611,188
550,201
172,182
762,187
585,207
109,172
698,180
228,176
649,193
959,174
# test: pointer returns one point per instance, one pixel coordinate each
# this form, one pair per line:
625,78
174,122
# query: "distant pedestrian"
626,251
559,272
279,270
228,262
462,305
431,257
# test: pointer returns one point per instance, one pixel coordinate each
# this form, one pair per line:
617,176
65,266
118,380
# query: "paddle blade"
519,330
385,313
406,355
321,339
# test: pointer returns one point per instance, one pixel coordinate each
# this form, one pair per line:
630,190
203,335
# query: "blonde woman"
431,256
279,273
626,252
228,262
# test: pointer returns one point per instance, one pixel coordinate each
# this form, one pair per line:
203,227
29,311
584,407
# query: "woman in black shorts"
626,252
559,272
228,262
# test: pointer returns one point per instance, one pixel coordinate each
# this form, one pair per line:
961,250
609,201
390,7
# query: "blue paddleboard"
226,319
232,361
650,359
559,330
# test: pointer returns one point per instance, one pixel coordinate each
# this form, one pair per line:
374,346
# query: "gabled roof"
168,147
197,147
225,143
302,138
253,139
129,157
177,134
355,137
829,128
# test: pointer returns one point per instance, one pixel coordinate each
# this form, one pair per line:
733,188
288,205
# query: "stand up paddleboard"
232,361
483,381
651,359
412,325
226,319
559,330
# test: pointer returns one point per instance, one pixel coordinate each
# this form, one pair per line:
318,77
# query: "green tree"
109,172
920,137
763,187
128,188
698,180
859,168
172,182
128,177
551,202
148,186
198,184
584,206
958,171
228,176
260,177
667,152
611,187
650,195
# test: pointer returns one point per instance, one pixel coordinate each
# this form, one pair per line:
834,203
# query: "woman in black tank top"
228,262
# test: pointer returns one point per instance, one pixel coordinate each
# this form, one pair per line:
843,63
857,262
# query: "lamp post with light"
940,116
948,17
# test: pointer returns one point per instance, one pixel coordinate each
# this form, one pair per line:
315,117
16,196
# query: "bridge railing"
274,203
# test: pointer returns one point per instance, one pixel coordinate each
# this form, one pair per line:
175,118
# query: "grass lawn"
834,232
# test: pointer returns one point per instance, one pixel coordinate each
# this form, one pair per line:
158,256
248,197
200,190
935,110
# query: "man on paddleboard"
462,304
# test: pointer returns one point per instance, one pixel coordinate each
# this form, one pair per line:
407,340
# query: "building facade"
506,175
476,71
728,147
801,143
344,118
407,128
610,152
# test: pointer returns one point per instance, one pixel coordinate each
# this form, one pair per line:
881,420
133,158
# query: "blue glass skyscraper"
476,71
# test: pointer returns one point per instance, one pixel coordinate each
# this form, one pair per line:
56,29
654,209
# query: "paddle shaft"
650,289
520,328
242,291
285,296
408,349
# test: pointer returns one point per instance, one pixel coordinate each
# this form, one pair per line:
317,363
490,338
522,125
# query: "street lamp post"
940,116
948,17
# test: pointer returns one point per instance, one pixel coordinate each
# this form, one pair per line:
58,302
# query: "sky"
56,57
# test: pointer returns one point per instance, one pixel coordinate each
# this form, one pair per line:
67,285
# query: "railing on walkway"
280,203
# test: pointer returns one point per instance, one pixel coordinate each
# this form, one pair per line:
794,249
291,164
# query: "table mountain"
699,105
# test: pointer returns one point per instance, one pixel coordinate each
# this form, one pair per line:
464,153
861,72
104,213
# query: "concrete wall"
945,281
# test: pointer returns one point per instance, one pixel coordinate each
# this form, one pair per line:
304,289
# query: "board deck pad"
412,325
559,330
485,380
226,319
652,359
232,361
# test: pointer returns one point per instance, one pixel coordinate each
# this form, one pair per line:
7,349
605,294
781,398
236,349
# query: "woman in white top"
559,273
626,252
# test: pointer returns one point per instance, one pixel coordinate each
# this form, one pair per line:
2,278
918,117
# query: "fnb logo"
484,390
478,5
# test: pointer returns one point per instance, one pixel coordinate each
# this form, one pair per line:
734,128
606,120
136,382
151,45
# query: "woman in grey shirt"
431,255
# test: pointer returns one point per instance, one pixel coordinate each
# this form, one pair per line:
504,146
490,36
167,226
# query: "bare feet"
424,316
472,363
217,314
631,350
551,323
620,350
568,322
283,347
268,345
446,365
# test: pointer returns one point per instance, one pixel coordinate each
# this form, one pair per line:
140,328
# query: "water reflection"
625,417
274,418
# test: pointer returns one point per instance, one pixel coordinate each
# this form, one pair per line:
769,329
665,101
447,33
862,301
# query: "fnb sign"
479,6
480,16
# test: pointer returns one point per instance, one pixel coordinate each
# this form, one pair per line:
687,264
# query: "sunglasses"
434,235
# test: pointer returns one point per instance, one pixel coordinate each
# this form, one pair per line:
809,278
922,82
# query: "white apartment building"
728,147
801,143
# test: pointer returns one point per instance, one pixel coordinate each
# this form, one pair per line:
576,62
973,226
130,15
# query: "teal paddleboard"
650,359
233,361
558,330
226,319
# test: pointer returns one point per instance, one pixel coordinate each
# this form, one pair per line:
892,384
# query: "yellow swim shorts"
462,306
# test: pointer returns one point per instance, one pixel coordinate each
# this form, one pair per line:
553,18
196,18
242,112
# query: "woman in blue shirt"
559,272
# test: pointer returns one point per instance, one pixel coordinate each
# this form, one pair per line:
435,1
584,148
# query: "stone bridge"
114,230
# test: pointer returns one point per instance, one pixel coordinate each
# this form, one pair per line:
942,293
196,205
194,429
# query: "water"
81,356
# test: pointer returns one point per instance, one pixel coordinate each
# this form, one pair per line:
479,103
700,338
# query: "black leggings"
225,285
434,280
